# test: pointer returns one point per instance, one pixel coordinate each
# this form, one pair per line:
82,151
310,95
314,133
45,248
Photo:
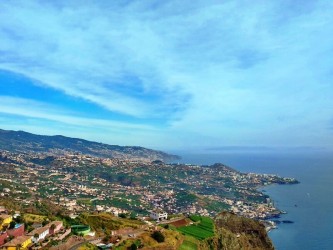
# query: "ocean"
308,204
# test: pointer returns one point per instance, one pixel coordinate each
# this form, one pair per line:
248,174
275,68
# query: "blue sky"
171,75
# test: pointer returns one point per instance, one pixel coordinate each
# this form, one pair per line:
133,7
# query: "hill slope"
20,141
236,232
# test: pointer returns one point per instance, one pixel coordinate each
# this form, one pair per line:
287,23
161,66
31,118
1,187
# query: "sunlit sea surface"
309,204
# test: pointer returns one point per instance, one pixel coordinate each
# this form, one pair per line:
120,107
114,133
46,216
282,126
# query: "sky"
204,76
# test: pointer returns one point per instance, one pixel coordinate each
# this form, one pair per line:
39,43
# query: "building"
158,215
21,242
18,230
5,220
39,234
3,237
58,225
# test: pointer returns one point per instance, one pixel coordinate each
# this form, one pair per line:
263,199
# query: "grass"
188,245
103,223
125,245
195,218
87,246
33,218
202,230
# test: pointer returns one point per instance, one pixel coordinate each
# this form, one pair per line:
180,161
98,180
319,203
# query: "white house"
39,234
158,215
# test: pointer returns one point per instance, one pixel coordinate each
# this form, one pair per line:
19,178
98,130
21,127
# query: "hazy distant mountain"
20,141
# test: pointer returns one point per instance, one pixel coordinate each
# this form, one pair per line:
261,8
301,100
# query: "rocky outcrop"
236,233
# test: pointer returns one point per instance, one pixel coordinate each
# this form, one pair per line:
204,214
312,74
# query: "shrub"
122,215
133,247
12,224
158,236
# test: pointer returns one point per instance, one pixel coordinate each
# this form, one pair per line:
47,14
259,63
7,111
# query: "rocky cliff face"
236,233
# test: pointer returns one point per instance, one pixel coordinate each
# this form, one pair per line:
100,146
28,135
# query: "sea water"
308,204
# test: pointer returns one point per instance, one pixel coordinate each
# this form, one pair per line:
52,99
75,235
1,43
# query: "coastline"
272,220
313,210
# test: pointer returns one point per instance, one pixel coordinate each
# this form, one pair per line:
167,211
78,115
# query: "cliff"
234,233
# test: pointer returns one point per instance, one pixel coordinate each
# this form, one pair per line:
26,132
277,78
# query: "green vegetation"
103,223
185,197
215,205
158,236
12,225
129,245
24,140
33,218
188,245
133,247
195,218
202,230
88,246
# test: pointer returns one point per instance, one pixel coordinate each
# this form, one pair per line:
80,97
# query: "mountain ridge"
20,141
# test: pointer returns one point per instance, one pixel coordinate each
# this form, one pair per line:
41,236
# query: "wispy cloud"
104,57
39,110
42,118
216,73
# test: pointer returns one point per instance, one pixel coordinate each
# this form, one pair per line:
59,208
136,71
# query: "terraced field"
204,228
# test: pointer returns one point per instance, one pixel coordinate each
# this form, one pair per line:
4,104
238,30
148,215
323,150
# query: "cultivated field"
204,228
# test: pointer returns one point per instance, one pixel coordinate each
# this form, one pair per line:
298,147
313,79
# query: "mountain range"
20,141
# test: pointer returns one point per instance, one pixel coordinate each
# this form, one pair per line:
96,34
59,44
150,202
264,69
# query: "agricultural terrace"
202,228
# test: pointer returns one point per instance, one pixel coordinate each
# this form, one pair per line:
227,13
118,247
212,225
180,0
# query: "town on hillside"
78,182
73,200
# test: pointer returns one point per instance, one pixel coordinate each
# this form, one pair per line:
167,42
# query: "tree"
122,215
36,236
54,242
18,219
133,216
133,247
12,224
158,236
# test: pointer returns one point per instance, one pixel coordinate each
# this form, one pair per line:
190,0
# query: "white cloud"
40,110
231,73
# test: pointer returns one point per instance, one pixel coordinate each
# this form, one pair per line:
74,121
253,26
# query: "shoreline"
272,221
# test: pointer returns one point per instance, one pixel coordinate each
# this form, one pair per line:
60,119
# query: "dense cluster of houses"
13,238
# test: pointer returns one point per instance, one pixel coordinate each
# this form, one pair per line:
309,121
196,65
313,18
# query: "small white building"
40,233
158,215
